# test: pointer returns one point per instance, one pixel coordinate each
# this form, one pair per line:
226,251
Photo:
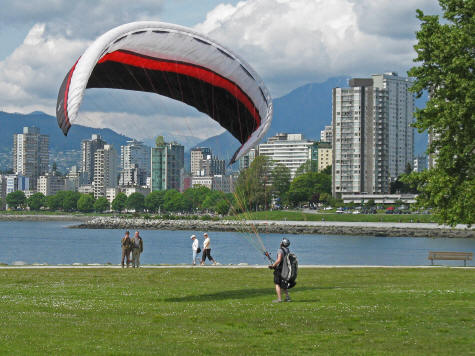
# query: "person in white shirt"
195,248
207,250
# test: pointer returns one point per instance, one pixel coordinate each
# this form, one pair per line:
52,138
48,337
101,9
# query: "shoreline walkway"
219,266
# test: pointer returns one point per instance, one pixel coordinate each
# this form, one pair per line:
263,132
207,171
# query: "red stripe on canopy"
191,70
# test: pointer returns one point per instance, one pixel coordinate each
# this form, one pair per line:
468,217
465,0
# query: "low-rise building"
379,198
205,181
291,150
50,183
17,182
136,189
224,183
111,194
86,189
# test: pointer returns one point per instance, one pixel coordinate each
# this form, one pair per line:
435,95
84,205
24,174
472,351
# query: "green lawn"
270,215
229,312
301,216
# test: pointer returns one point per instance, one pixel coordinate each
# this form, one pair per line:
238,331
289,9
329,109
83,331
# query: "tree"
15,199
154,200
101,205
54,202
193,198
280,181
36,201
119,202
400,186
85,203
136,202
173,200
371,203
326,198
212,199
308,187
446,57
327,170
70,200
253,189
222,207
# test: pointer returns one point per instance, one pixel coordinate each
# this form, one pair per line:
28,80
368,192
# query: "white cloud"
288,42
31,75
79,18
292,42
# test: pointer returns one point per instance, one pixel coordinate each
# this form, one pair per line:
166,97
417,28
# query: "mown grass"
226,311
260,215
301,216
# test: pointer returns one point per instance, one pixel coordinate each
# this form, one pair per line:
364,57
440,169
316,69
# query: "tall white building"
400,118
326,134
372,137
360,162
88,150
105,170
30,154
135,154
291,150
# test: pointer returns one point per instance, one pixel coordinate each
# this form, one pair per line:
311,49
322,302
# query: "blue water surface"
54,243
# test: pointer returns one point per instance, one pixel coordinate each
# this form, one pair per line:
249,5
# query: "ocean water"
54,243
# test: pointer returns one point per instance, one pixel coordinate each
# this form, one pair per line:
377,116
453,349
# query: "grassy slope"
219,311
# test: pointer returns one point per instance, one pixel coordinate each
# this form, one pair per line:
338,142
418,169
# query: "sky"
288,42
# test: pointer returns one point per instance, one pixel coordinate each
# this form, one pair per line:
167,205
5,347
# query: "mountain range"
305,110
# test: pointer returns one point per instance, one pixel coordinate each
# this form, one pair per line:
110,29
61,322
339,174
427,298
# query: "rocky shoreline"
294,227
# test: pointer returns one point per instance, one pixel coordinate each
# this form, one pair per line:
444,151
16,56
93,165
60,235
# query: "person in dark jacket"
126,244
277,267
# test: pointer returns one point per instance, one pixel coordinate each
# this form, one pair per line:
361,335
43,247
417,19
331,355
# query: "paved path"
213,267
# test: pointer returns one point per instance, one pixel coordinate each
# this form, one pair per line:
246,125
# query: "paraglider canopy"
176,62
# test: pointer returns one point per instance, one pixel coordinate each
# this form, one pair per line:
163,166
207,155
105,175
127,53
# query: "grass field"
268,215
226,311
301,216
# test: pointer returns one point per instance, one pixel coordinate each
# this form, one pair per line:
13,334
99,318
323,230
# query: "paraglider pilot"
277,267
